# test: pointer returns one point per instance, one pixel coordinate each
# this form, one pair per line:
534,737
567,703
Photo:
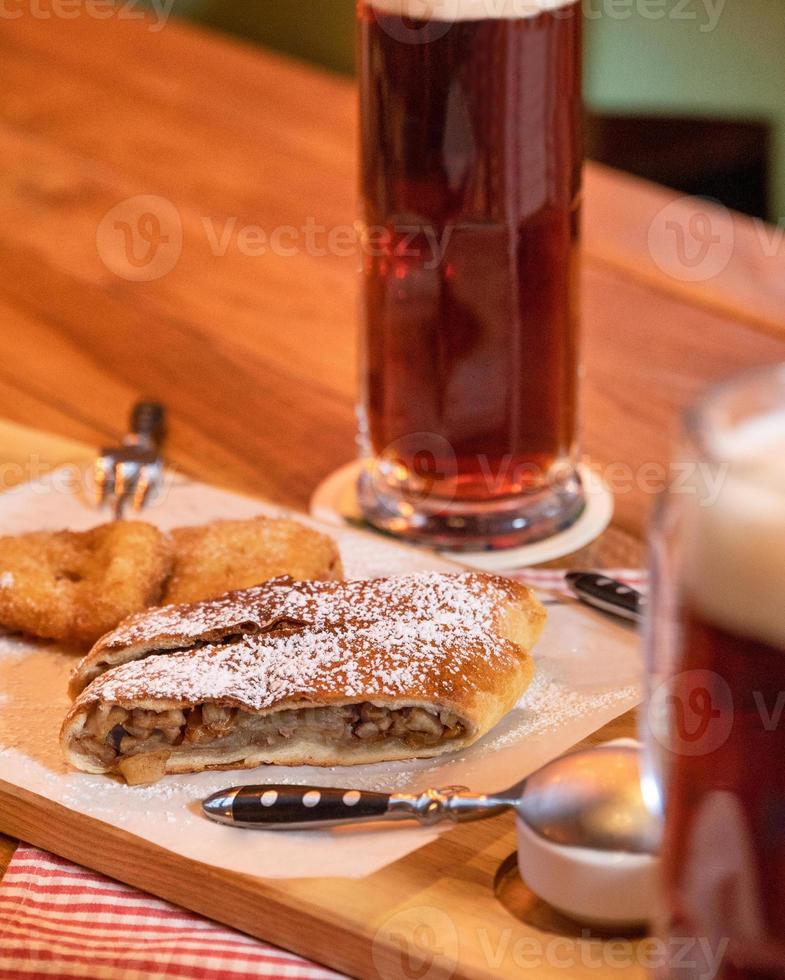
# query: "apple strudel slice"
282,605
417,683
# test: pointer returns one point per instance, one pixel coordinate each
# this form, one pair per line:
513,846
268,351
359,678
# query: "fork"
130,471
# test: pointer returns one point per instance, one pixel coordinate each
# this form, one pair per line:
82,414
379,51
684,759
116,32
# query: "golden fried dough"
228,555
76,586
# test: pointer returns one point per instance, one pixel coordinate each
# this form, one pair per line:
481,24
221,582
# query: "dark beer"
724,786
471,176
725,847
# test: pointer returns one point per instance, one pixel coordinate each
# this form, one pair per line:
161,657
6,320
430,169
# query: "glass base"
471,525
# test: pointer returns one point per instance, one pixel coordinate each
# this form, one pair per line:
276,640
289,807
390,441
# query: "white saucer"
335,502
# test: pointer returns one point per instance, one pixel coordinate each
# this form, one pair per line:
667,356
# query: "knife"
607,594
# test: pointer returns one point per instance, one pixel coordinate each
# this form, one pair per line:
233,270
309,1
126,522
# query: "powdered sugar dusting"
193,621
424,636
6,580
468,601
546,704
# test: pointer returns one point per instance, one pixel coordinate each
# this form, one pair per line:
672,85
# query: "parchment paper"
588,671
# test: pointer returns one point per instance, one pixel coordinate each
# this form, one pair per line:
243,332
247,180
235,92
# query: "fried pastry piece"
228,555
284,605
429,665
75,586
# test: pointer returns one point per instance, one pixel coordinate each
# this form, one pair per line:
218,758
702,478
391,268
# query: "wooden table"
254,354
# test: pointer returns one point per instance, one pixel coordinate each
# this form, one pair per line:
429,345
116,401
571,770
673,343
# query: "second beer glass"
715,723
470,190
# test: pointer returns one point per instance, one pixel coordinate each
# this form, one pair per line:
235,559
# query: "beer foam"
455,10
735,541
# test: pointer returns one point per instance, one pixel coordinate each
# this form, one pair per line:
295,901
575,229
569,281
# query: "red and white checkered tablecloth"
60,920
553,578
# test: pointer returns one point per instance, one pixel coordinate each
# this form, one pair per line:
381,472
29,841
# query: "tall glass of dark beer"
471,158
715,723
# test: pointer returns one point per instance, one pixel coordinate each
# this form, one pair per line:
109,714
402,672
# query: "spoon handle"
312,807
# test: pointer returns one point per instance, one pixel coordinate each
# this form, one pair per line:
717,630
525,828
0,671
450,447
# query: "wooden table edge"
259,907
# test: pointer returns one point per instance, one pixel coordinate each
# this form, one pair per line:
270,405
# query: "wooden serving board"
454,908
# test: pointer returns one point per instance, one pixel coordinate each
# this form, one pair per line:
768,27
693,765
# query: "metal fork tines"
129,472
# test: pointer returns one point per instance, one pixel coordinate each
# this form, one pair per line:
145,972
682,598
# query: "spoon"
590,798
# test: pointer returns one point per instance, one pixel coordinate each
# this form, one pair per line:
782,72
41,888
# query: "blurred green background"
687,92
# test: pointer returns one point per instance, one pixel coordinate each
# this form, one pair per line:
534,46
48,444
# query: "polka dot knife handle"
294,807
313,807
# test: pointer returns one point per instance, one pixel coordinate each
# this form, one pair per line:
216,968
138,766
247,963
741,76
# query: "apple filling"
137,742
